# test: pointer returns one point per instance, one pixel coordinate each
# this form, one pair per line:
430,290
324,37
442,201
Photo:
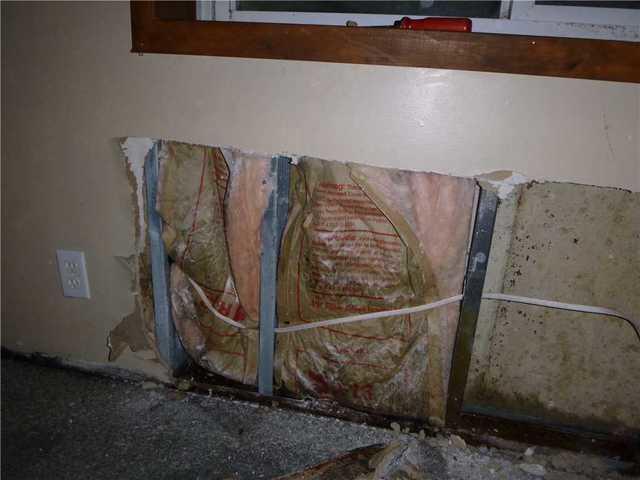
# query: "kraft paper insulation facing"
358,239
221,253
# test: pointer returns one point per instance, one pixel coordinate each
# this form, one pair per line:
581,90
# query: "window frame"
516,54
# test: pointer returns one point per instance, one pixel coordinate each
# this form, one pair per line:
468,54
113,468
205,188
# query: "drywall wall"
70,87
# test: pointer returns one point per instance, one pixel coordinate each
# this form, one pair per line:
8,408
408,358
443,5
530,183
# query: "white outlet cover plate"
73,274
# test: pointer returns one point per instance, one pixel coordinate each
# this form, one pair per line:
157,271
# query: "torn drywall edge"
500,181
227,150
135,150
134,332
118,337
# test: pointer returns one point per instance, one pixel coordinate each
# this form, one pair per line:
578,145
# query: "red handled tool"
443,24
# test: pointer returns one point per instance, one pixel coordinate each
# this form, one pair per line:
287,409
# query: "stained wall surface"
573,244
70,87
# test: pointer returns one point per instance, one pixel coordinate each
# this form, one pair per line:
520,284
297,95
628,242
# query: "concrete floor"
66,424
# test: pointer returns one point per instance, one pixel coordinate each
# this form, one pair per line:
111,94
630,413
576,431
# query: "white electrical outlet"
73,274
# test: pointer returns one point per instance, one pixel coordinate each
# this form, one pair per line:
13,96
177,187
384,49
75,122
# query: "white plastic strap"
216,313
423,308
370,316
564,306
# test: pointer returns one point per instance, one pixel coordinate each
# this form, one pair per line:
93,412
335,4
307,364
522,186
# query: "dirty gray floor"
66,424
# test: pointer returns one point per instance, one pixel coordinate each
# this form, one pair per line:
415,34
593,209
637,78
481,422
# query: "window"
616,20
480,8
594,19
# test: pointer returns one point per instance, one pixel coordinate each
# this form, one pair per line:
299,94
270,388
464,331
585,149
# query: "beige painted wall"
70,87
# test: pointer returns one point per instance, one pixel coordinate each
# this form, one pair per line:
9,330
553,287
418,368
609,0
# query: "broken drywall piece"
503,182
131,331
149,355
144,361
129,262
128,333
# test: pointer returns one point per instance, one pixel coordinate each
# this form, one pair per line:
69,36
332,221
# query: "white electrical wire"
423,308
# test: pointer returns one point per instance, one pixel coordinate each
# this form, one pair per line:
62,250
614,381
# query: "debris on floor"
67,424
448,457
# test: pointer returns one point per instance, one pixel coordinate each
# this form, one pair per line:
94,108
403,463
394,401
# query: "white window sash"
526,18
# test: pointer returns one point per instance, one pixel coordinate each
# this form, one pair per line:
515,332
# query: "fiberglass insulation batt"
362,239
359,239
221,252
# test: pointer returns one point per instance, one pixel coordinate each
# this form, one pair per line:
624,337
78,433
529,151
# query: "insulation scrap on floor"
219,251
363,239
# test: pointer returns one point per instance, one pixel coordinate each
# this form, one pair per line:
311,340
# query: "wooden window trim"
548,56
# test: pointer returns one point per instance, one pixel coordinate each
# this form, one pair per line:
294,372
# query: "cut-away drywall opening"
212,203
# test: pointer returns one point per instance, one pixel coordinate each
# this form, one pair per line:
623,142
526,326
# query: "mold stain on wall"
575,244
